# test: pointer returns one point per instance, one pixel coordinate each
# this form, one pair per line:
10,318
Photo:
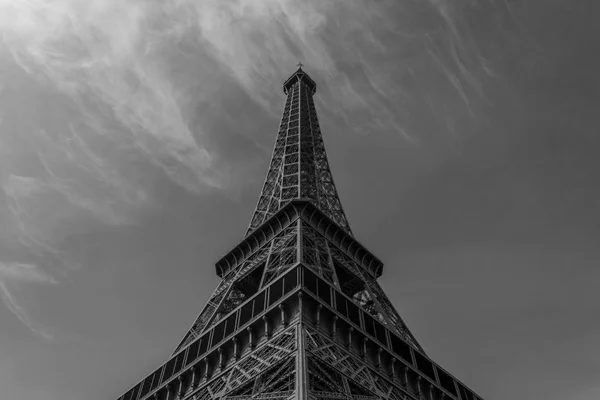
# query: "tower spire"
299,168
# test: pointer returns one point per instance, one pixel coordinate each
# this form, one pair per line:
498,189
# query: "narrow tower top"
300,75
299,168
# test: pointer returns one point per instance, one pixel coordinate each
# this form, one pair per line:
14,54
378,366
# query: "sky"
462,136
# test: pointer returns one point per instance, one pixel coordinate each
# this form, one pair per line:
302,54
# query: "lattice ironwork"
240,275
316,255
278,255
336,267
299,166
299,313
260,373
353,369
283,253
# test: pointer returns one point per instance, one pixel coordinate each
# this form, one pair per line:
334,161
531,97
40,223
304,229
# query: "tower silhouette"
298,313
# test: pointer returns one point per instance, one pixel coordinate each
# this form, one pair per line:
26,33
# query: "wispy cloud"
256,40
381,47
106,57
14,275
89,103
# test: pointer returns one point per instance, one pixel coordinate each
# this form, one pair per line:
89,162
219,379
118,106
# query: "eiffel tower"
298,313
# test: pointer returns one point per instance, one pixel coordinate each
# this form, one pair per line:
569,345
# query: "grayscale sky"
463,137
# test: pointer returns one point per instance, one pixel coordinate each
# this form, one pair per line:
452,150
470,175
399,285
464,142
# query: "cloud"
255,40
16,274
100,98
92,113
106,57
403,57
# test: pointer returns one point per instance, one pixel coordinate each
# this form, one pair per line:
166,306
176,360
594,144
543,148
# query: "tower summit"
299,167
299,313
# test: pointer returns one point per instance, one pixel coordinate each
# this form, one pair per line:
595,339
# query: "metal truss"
267,372
351,370
299,169
299,166
318,254
278,255
256,338
220,293
271,372
283,253
327,260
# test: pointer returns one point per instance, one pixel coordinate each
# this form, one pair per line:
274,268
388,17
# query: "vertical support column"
300,307
221,359
282,309
363,354
393,369
266,321
236,355
195,379
180,386
250,338
299,239
334,327
206,367
350,330
301,374
319,307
